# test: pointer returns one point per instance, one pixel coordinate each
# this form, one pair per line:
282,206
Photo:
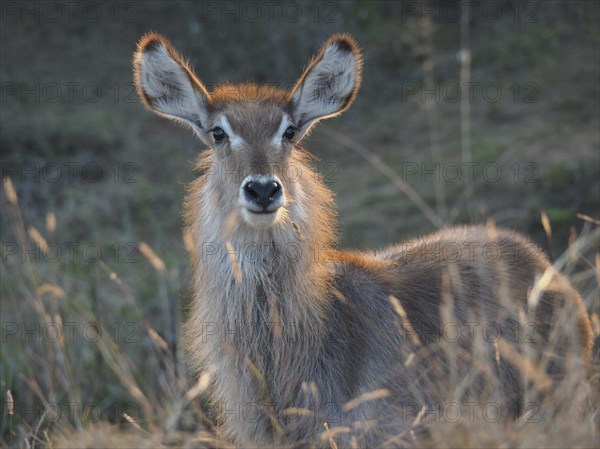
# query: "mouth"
260,218
262,212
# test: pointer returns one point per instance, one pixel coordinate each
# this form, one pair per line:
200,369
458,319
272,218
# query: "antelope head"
252,131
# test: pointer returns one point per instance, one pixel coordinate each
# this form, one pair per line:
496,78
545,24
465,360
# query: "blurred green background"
82,152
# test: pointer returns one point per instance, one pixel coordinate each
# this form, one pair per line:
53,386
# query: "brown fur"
293,338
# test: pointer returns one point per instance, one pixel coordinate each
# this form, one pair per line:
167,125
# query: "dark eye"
289,133
218,134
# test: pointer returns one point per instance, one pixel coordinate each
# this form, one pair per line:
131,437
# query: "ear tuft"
152,42
151,45
344,43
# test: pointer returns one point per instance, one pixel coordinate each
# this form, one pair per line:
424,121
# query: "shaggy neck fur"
256,289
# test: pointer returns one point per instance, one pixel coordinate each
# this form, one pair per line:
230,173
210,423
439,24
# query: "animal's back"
467,304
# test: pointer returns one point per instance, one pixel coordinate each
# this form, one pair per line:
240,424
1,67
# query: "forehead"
253,112
254,120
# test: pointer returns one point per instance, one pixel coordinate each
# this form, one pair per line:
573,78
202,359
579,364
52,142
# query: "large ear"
167,85
329,83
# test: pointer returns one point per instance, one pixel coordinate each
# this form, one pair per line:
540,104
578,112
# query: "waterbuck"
306,342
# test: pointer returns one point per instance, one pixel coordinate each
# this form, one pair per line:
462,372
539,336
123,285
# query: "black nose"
263,192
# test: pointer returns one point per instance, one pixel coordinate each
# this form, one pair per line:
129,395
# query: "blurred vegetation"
543,132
